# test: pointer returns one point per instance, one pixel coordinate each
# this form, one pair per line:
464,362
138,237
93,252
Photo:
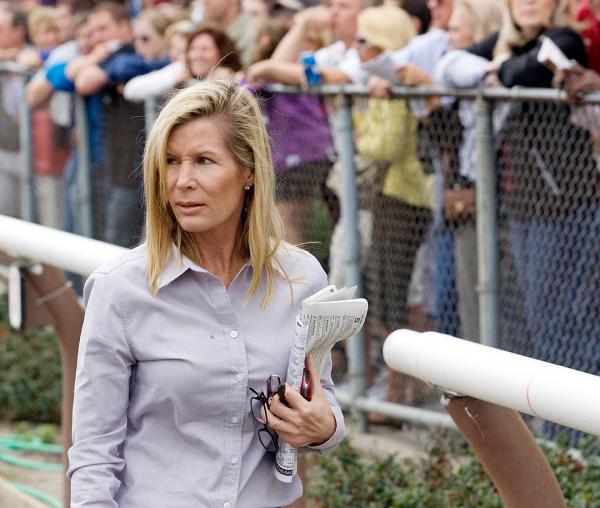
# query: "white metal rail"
558,394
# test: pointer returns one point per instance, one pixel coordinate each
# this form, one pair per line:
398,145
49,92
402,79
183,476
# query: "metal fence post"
349,218
150,113
84,170
487,227
28,193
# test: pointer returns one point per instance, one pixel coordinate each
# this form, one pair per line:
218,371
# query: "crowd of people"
416,159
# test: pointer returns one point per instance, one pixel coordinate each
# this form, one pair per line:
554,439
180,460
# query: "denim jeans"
557,269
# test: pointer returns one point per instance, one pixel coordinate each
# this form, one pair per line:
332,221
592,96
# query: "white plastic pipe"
558,394
70,252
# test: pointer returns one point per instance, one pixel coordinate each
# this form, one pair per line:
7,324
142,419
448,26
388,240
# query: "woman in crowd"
551,188
397,193
211,52
208,51
300,139
178,330
149,35
471,22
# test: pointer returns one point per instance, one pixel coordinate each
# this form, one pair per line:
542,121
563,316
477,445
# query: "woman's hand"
579,81
413,75
379,88
304,422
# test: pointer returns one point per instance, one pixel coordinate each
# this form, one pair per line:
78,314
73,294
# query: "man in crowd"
238,24
337,63
98,75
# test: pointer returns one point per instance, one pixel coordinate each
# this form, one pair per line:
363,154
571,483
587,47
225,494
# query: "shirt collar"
178,264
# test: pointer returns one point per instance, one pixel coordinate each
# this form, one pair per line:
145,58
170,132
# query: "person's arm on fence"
156,83
312,19
287,73
91,80
525,70
38,91
104,367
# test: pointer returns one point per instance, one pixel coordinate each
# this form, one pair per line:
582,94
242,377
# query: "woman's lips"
188,208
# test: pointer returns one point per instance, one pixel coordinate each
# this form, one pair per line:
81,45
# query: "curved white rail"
70,252
558,394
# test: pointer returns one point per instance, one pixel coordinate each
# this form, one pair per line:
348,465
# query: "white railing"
557,394
77,254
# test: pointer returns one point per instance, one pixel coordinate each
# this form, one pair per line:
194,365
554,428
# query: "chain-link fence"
473,214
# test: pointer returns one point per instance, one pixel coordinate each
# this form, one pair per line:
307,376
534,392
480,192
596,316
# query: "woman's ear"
249,179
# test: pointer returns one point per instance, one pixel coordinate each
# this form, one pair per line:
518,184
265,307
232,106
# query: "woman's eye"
171,161
203,161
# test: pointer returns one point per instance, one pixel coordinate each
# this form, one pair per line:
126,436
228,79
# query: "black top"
546,163
523,69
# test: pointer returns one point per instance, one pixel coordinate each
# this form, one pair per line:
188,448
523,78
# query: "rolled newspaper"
328,316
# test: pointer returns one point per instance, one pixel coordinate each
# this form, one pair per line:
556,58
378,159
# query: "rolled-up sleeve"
104,368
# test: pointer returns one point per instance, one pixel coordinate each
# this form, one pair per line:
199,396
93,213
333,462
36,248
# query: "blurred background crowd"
415,159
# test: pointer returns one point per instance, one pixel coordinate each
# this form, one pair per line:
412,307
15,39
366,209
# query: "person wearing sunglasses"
179,329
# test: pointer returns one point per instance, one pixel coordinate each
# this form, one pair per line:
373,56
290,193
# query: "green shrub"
30,373
448,476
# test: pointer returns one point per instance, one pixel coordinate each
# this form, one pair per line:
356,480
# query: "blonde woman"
178,330
471,22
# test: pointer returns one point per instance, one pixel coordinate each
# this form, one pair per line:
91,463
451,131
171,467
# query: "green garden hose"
35,444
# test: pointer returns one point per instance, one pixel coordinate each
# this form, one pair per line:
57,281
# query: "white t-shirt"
339,56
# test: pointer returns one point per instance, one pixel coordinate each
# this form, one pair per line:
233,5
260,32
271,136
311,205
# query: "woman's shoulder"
298,262
125,271
485,47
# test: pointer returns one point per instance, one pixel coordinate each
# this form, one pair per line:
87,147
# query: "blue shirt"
162,403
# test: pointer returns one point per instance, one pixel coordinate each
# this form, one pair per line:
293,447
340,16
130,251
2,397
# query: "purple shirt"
299,130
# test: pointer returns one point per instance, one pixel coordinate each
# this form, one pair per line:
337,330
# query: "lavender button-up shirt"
162,413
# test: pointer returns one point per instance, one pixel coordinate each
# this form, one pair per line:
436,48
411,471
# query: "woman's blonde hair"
511,36
248,141
487,16
40,18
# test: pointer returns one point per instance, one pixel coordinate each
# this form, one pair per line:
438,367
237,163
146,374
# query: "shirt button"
234,460
235,419
234,334
227,505
239,377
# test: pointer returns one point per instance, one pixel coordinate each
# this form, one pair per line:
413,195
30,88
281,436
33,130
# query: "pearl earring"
246,187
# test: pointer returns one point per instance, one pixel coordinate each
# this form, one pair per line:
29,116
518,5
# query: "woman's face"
177,46
149,44
202,55
532,15
461,27
46,37
366,51
205,185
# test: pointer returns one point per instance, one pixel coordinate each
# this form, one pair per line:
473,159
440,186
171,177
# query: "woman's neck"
221,255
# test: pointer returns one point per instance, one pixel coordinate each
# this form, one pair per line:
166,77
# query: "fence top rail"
489,93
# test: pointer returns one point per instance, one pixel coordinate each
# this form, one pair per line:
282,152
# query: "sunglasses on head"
361,41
